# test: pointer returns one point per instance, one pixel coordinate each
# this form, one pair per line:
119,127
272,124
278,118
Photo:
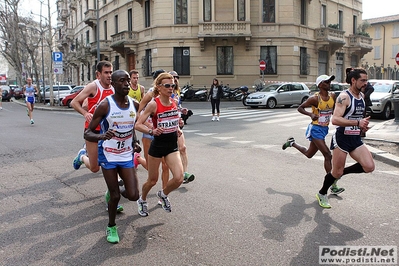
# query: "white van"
384,92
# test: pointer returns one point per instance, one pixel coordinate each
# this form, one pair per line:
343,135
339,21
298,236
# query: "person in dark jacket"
215,94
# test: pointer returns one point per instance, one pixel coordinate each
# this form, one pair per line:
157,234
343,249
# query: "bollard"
396,108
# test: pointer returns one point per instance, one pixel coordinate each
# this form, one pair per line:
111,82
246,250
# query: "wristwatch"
150,132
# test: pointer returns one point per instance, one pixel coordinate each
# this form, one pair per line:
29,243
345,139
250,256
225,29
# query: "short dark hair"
133,71
354,73
156,73
102,64
115,75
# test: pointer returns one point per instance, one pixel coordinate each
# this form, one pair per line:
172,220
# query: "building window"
354,60
395,30
105,30
104,2
268,11
87,5
116,63
241,10
269,55
341,19
181,12
377,33
87,38
207,10
181,60
377,52
303,12
304,62
129,20
147,21
225,60
395,50
322,62
354,25
116,24
147,63
323,15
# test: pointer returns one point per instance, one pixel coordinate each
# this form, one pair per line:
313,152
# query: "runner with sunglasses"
166,121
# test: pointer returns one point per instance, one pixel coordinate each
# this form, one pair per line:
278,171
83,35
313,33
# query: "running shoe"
289,143
107,197
142,207
187,178
77,162
336,189
32,122
213,118
112,234
323,201
165,202
217,119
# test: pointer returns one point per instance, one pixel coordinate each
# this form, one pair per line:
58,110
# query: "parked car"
18,93
68,98
59,92
6,93
275,94
337,88
384,92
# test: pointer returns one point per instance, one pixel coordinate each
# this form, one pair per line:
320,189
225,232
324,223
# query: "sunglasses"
166,85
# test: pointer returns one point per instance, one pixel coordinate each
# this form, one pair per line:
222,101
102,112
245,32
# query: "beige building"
203,39
381,62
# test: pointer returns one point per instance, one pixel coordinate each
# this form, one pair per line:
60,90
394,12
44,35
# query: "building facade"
203,39
381,62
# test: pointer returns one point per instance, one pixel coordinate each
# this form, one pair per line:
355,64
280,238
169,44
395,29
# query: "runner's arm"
99,114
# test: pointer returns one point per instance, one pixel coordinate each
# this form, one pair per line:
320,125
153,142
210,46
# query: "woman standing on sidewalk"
215,94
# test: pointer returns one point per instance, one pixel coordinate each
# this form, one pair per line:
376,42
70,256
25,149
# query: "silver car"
384,92
286,94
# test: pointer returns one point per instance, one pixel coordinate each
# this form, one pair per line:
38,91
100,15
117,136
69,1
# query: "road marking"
206,134
223,138
243,141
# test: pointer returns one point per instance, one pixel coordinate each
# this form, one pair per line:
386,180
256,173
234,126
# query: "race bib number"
352,130
324,117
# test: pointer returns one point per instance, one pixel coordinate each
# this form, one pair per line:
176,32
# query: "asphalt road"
251,202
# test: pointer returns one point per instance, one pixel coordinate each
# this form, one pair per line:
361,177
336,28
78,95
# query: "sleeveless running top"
136,94
354,111
324,110
166,117
29,91
93,102
119,148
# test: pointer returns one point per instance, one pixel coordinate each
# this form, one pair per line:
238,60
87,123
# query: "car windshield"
382,87
271,88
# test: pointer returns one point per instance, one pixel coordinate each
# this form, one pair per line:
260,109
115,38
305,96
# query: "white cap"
322,78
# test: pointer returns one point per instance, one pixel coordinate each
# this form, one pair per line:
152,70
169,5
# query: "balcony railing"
64,14
224,29
330,35
360,41
124,37
105,45
90,17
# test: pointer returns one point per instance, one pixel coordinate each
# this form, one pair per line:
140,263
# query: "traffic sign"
57,56
58,70
262,65
397,58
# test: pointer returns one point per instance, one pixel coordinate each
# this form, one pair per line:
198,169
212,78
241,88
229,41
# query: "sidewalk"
387,132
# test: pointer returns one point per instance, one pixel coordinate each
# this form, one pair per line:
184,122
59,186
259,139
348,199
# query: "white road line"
223,138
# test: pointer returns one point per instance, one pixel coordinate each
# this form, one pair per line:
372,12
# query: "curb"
383,156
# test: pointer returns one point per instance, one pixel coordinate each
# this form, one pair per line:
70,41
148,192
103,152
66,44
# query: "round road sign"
262,65
397,58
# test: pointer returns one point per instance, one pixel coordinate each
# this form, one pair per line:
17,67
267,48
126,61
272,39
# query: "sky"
379,8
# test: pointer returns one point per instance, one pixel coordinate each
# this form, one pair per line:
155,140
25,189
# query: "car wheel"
69,103
387,111
304,99
271,103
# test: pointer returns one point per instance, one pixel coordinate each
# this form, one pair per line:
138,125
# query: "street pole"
42,35
98,31
51,55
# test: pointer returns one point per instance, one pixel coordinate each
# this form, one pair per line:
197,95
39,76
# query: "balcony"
329,39
64,14
233,30
70,33
124,42
105,46
90,17
83,54
359,44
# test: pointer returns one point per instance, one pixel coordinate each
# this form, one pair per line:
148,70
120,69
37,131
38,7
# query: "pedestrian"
94,92
29,91
166,122
215,94
136,90
322,104
348,117
117,115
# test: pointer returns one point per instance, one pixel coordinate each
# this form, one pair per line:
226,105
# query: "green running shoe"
289,143
336,190
112,234
107,197
323,201
188,178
